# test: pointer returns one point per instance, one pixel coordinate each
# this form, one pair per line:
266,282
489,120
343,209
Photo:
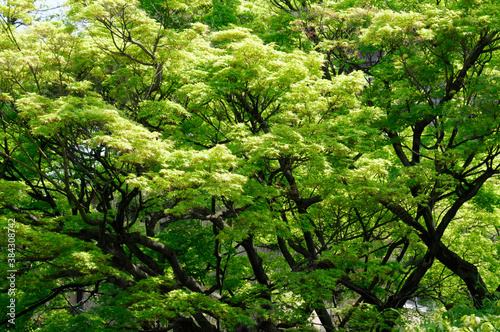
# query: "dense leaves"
251,165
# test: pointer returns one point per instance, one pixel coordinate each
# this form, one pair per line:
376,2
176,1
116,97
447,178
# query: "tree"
197,179
430,70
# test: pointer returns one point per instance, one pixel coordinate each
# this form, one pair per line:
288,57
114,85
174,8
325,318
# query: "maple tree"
208,166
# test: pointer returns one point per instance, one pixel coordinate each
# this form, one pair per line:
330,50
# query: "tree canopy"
269,165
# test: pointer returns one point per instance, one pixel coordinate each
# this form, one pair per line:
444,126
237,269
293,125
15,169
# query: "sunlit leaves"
187,172
14,13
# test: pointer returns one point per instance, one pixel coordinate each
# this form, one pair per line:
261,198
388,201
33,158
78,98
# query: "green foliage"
224,13
260,165
487,199
462,318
